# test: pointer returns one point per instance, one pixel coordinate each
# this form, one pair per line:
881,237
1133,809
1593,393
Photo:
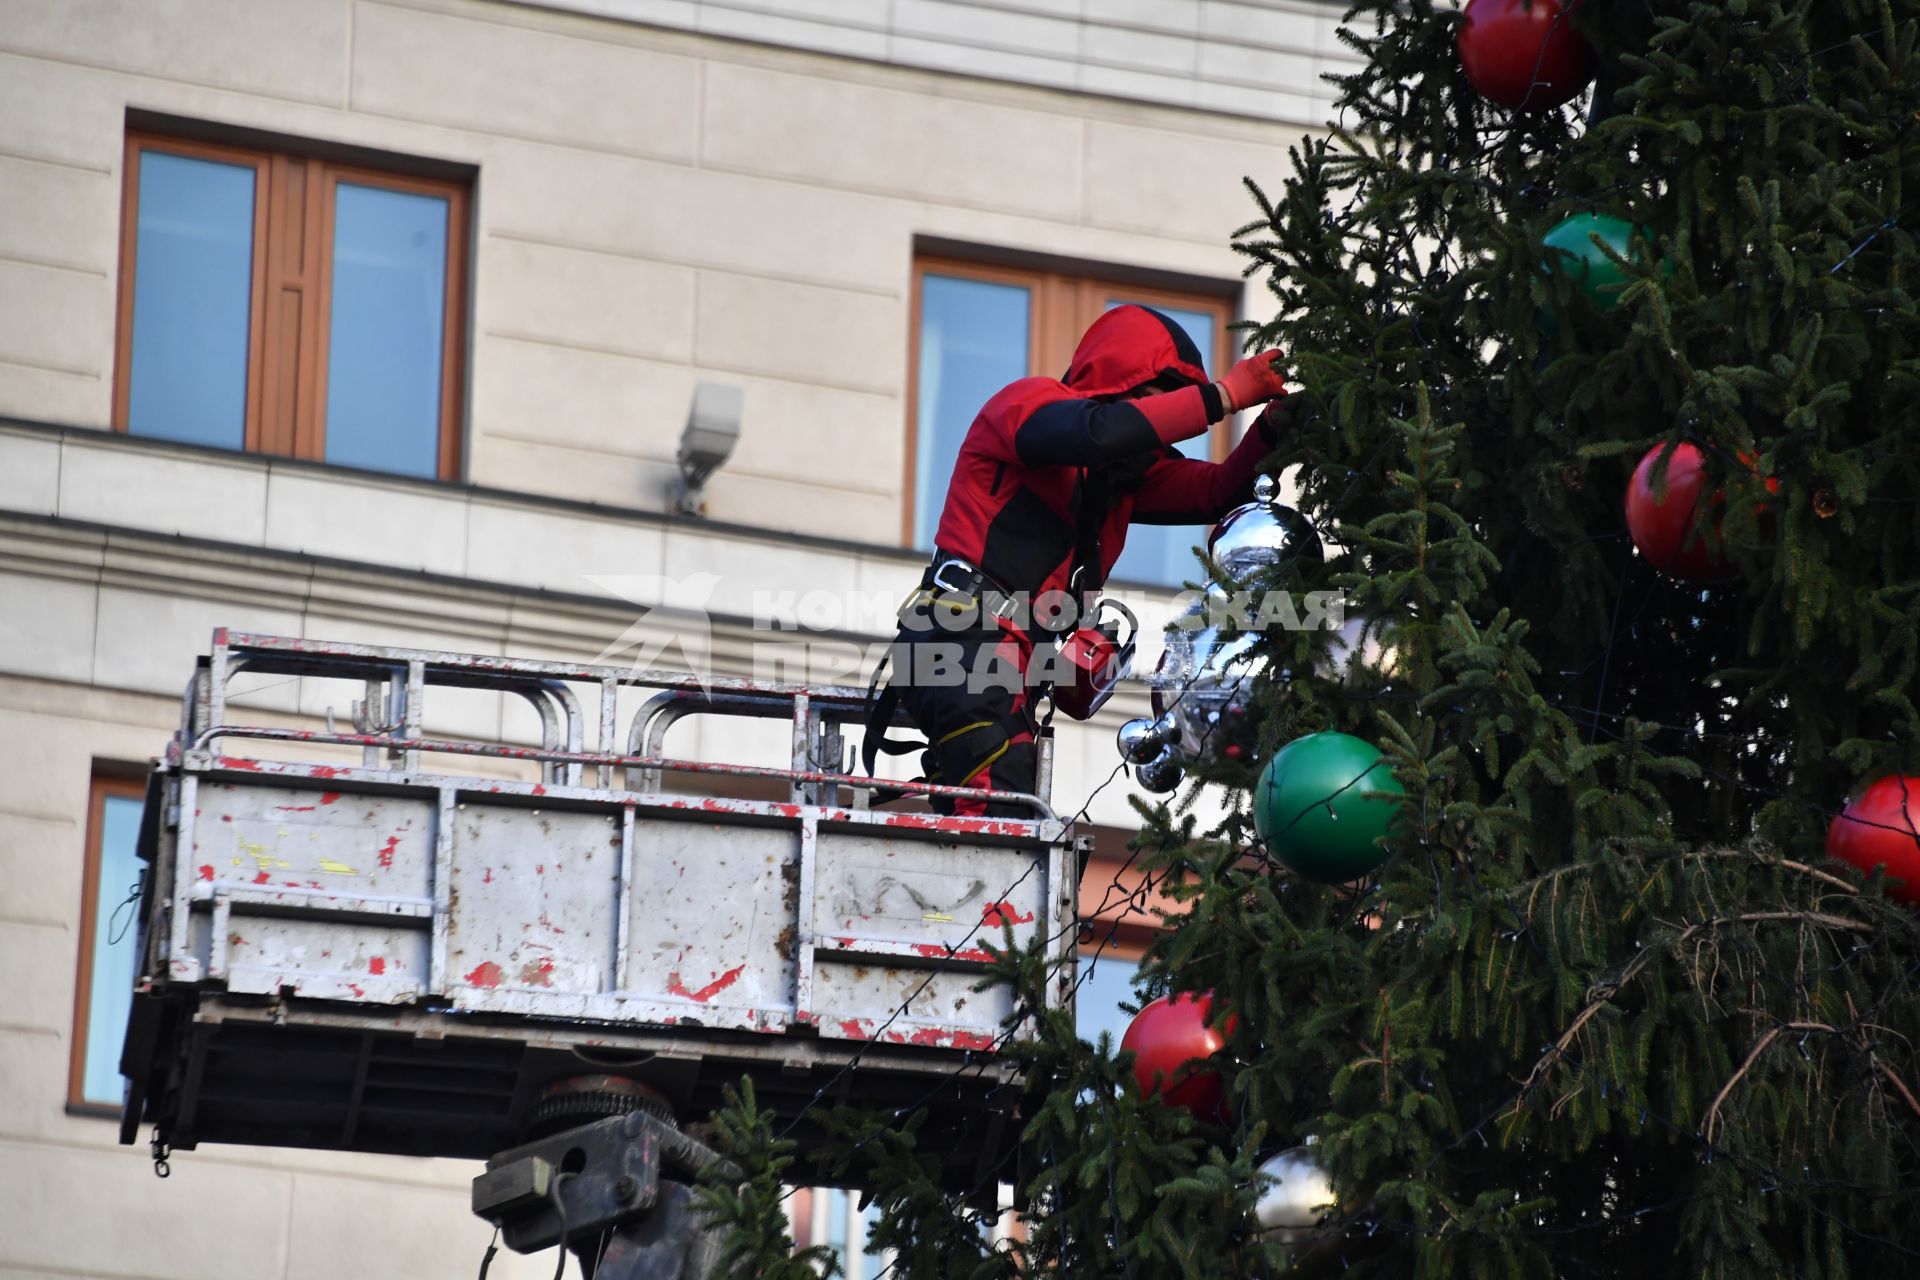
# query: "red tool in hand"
1093,660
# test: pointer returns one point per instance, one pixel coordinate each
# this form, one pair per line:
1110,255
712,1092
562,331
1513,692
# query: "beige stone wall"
1258,58
654,206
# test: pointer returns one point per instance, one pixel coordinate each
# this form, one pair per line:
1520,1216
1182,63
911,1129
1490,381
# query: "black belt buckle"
974,586
969,577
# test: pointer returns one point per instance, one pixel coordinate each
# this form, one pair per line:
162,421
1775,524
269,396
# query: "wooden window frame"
106,782
1065,302
290,305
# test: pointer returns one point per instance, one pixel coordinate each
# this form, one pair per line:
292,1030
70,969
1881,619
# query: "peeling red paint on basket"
393,842
676,987
1004,913
356,989
853,1029
487,878
263,877
325,772
295,808
537,973
940,951
206,871
329,797
239,762
486,974
538,790
377,966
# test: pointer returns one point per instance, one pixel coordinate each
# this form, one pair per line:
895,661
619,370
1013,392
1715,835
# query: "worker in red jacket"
1050,475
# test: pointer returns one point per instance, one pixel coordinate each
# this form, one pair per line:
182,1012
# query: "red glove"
1254,380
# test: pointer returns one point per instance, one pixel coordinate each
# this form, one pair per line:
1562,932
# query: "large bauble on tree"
1296,1196
1599,276
1524,53
1664,527
1882,829
1323,803
1171,1038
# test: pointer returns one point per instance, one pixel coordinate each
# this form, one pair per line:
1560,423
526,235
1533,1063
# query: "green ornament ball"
1599,277
1323,802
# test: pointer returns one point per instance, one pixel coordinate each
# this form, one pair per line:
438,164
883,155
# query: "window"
977,328
844,1227
285,304
1105,981
108,937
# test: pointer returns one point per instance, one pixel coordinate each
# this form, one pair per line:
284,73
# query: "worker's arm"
1092,433
1186,491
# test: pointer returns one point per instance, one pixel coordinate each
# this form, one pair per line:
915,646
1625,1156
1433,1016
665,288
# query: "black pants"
966,690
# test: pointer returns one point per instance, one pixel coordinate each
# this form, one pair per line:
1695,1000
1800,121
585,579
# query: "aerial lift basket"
370,938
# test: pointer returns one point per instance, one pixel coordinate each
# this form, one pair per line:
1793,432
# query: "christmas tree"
1607,1008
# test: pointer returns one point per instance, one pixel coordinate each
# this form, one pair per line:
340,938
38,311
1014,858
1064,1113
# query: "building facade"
382,320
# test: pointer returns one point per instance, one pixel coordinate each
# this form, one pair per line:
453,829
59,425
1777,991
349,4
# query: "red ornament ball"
1169,1038
1663,528
1882,829
1524,53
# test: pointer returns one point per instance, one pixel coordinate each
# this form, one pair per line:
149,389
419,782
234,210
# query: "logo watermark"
932,639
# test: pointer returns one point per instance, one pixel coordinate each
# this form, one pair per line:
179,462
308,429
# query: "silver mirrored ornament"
1205,676
1296,1196
1141,739
1204,681
1359,646
1260,534
1161,774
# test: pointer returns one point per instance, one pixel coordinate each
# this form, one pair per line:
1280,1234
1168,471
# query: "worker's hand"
1253,381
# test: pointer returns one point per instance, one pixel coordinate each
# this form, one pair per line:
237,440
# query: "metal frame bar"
299,651
454,746
811,708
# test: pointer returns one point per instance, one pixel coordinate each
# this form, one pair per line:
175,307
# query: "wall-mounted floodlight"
713,429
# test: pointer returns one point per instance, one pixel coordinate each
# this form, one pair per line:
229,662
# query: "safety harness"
958,585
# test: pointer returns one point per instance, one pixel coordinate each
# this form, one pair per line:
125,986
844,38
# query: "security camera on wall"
712,431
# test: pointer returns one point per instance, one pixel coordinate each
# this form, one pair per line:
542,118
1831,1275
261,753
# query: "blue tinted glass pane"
384,341
868,1255
837,1219
1161,554
114,941
1164,553
192,300
855,1255
1106,981
973,341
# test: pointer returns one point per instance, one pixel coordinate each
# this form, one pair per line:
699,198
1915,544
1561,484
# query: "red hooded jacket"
1041,445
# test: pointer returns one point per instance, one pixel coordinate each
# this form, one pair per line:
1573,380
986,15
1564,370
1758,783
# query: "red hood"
1129,346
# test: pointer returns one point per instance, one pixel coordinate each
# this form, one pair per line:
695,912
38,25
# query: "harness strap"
974,746
1086,577
881,704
